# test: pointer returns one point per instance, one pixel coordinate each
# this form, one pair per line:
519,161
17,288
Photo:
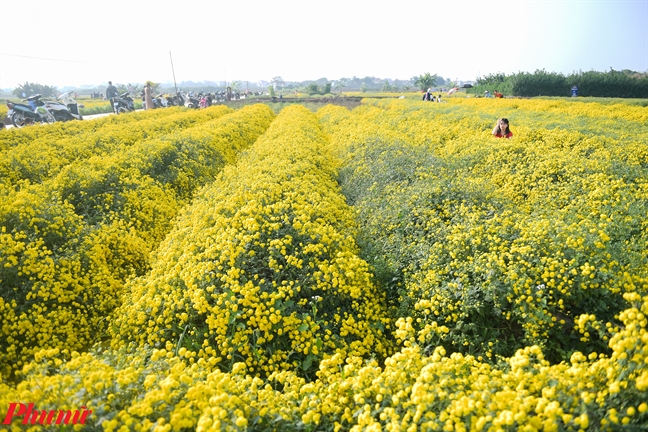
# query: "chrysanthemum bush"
413,390
491,245
419,301
69,244
61,144
262,267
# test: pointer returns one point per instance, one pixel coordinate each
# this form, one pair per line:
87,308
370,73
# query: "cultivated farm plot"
390,267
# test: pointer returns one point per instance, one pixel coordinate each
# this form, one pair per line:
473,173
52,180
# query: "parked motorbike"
60,112
123,103
34,111
72,106
177,100
160,101
191,101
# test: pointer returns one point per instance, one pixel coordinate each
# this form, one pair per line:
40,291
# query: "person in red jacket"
502,129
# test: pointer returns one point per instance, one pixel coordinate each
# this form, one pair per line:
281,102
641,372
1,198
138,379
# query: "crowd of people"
496,94
428,96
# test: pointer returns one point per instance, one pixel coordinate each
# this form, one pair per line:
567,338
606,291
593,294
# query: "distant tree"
271,91
30,89
387,87
312,89
340,84
492,79
129,88
425,81
327,88
235,85
277,81
363,88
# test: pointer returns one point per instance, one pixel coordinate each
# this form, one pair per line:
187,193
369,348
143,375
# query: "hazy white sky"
90,41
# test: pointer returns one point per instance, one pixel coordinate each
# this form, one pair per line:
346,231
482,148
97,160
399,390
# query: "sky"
89,42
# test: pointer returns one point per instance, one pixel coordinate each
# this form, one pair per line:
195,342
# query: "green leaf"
308,362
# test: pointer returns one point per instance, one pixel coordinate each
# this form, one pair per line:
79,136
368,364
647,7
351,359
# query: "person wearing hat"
111,93
428,95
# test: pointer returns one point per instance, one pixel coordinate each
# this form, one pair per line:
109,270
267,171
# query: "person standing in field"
148,98
502,129
111,93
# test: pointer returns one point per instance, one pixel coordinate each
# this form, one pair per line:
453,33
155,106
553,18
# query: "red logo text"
30,415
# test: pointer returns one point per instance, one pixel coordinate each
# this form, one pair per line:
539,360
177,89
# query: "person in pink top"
502,129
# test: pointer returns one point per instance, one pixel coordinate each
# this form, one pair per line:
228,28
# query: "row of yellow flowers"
60,144
16,137
491,245
68,244
260,313
160,390
262,267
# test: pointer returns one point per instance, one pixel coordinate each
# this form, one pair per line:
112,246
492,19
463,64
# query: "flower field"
391,267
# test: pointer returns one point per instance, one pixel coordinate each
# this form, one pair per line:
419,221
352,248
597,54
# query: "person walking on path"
148,98
111,94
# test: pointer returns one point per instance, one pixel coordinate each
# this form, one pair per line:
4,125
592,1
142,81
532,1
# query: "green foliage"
123,88
425,81
30,89
340,84
623,84
387,87
313,88
610,84
277,81
539,83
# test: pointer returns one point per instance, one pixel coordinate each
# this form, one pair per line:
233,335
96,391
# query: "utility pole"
173,71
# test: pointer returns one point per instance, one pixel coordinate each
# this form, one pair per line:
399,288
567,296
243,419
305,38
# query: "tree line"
613,83
621,84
